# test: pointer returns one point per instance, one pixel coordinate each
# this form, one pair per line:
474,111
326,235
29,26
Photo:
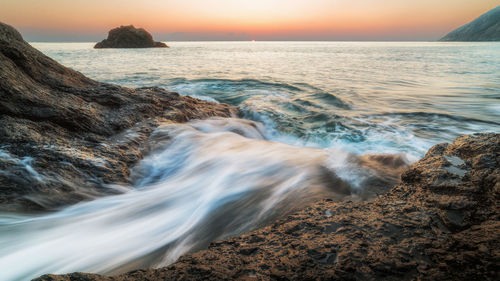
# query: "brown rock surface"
441,223
63,136
129,37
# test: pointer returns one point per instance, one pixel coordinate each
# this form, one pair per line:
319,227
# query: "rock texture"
64,137
484,28
129,37
441,223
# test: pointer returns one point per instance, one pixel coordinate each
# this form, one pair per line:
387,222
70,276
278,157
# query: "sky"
192,20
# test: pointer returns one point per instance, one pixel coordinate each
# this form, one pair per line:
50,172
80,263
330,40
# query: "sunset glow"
240,20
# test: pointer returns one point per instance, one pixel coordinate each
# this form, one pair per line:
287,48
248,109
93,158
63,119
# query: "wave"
202,181
401,83
237,83
237,91
432,116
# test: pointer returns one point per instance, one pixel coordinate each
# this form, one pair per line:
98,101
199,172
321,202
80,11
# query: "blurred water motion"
334,120
202,181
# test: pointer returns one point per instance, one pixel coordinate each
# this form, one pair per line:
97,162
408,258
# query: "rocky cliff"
484,28
64,137
129,37
441,223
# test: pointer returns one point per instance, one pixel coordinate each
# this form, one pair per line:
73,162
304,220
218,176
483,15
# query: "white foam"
203,181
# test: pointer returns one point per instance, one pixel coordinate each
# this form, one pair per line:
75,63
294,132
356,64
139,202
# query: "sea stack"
129,37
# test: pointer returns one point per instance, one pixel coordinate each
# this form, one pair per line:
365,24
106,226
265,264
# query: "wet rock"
248,251
64,137
417,231
129,37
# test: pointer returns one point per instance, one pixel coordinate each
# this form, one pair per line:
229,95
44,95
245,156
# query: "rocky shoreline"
64,137
441,223
67,138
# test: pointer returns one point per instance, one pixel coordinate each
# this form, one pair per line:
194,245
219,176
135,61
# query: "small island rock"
129,37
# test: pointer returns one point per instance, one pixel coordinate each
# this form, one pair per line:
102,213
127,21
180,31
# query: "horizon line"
254,41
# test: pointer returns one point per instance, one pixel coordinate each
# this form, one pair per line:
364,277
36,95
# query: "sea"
390,97
307,109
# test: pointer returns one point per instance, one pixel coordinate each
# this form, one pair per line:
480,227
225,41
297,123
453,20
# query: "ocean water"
376,97
333,120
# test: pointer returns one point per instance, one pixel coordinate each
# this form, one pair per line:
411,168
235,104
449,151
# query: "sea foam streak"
202,181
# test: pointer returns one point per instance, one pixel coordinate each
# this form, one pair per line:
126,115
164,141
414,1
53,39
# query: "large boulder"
64,137
129,37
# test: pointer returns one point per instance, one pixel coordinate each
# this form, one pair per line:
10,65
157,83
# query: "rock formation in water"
484,28
65,137
129,37
441,223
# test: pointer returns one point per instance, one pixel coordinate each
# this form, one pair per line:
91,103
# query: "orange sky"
80,20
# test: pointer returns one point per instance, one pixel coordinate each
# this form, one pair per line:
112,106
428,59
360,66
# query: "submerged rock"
442,222
65,137
129,37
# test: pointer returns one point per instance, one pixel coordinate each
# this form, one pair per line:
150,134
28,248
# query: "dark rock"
129,37
248,251
63,136
484,28
429,227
